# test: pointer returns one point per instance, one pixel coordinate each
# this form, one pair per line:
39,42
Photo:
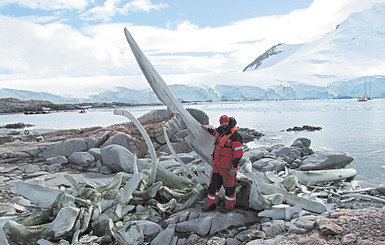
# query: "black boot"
225,210
210,208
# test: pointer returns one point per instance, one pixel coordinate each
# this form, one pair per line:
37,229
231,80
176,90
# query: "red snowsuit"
228,151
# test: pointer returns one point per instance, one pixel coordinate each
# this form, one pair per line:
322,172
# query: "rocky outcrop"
13,105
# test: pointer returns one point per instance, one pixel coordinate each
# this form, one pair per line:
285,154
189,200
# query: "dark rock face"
12,105
249,134
18,125
258,61
303,128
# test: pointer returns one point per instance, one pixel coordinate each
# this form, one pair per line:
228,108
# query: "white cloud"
142,5
48,5
57,50
111,8
104,12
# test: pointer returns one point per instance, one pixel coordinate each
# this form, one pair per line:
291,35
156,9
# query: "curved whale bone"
180,196
198,138
148,193
147,139
184,166
198,193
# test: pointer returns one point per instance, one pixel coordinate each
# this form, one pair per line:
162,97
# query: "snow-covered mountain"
339,65
356,48
283,91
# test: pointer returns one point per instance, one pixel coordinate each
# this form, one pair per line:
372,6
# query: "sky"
46,42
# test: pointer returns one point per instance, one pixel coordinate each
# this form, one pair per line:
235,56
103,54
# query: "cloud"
36,50
111,8
142,5
48,5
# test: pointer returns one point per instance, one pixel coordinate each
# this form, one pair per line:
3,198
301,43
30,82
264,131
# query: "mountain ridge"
284,91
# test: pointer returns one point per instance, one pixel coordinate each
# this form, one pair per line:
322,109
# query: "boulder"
65,148
96,153
126,141
301,143
274,228
82,159
165,236
63,223
326,160
57,159
117,158
268,164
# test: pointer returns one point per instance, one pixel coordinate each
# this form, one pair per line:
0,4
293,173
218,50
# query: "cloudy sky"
47,40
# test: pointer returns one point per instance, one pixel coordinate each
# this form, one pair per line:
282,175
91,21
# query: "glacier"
289,90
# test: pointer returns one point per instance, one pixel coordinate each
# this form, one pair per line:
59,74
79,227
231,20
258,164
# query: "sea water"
357,128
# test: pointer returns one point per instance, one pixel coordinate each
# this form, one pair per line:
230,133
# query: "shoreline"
46,163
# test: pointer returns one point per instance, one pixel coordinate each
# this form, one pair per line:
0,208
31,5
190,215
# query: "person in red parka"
228,150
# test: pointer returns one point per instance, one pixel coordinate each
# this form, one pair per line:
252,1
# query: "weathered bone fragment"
129,188
290,198
146,138
198,194
377,199
184,166
256,200
41,196
316,176
148,193
199,139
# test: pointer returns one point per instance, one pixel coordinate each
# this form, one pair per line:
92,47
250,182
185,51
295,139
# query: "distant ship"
365,97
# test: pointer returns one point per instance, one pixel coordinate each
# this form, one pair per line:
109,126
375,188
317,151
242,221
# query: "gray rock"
199,115
222,222
275,199
64,222
103,226
232,241
105,170
179,146
165,236
65,148
280,212
326,160
281,151
169,163
53,168
117,158
268,164
274,228
158,115
124,140
129,234
256,200
43,197
149,228
199,226
96,153
57,159
186,157
303,224
83,159
30,168
301,143
381,189
255,154
217,241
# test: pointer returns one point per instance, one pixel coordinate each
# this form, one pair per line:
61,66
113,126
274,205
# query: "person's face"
224,124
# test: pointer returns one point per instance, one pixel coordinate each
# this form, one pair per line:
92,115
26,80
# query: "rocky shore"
13,105
93,186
